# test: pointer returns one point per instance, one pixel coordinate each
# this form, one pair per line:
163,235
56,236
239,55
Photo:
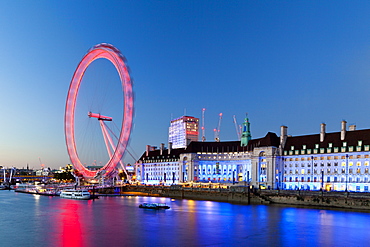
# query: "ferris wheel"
115,148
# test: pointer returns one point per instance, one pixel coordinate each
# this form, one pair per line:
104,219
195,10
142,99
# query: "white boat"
75,194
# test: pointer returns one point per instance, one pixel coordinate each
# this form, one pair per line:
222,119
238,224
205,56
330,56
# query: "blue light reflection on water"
28,220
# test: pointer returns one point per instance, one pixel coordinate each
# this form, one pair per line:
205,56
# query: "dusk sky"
293,63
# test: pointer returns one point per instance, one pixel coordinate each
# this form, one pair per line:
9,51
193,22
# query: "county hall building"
328,161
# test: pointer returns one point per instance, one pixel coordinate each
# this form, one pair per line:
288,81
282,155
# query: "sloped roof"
271,139
351,137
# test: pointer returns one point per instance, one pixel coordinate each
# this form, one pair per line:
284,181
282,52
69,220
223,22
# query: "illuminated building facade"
329,161
182,131
337,161
159,166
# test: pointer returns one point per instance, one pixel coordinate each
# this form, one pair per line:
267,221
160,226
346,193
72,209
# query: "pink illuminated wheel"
112,54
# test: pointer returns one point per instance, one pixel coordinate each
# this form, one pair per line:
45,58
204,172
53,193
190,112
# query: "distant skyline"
289,63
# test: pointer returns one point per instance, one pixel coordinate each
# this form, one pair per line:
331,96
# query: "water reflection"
70,225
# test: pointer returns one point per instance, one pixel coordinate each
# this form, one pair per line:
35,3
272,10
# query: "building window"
358,170
344,144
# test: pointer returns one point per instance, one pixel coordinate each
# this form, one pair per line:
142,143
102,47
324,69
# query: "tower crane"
217,131
203,129
237,128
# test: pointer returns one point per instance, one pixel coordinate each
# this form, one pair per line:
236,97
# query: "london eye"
115,142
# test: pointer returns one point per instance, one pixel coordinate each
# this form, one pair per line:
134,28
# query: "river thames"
33,220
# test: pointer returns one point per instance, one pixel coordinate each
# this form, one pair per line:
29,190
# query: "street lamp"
280,177
346,171
312,171
322,179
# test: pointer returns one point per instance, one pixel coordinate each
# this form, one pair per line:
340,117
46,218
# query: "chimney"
343,130
283,135
147,150
161,149
352,127
169,147
322,132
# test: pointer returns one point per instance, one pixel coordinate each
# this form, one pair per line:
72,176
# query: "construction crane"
238,128
203,129
217,131
41,164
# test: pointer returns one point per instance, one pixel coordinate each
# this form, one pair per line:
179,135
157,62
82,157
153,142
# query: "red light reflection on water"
70,224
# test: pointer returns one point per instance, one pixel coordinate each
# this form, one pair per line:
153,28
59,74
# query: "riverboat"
75,194
4,187
154,206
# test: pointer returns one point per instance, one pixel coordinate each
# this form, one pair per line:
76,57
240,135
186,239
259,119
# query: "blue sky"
294,63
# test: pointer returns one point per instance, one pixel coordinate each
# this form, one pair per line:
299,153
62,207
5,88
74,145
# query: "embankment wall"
243,195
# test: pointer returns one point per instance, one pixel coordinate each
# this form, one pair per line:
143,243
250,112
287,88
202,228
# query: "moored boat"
4,187
75,194
154,206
